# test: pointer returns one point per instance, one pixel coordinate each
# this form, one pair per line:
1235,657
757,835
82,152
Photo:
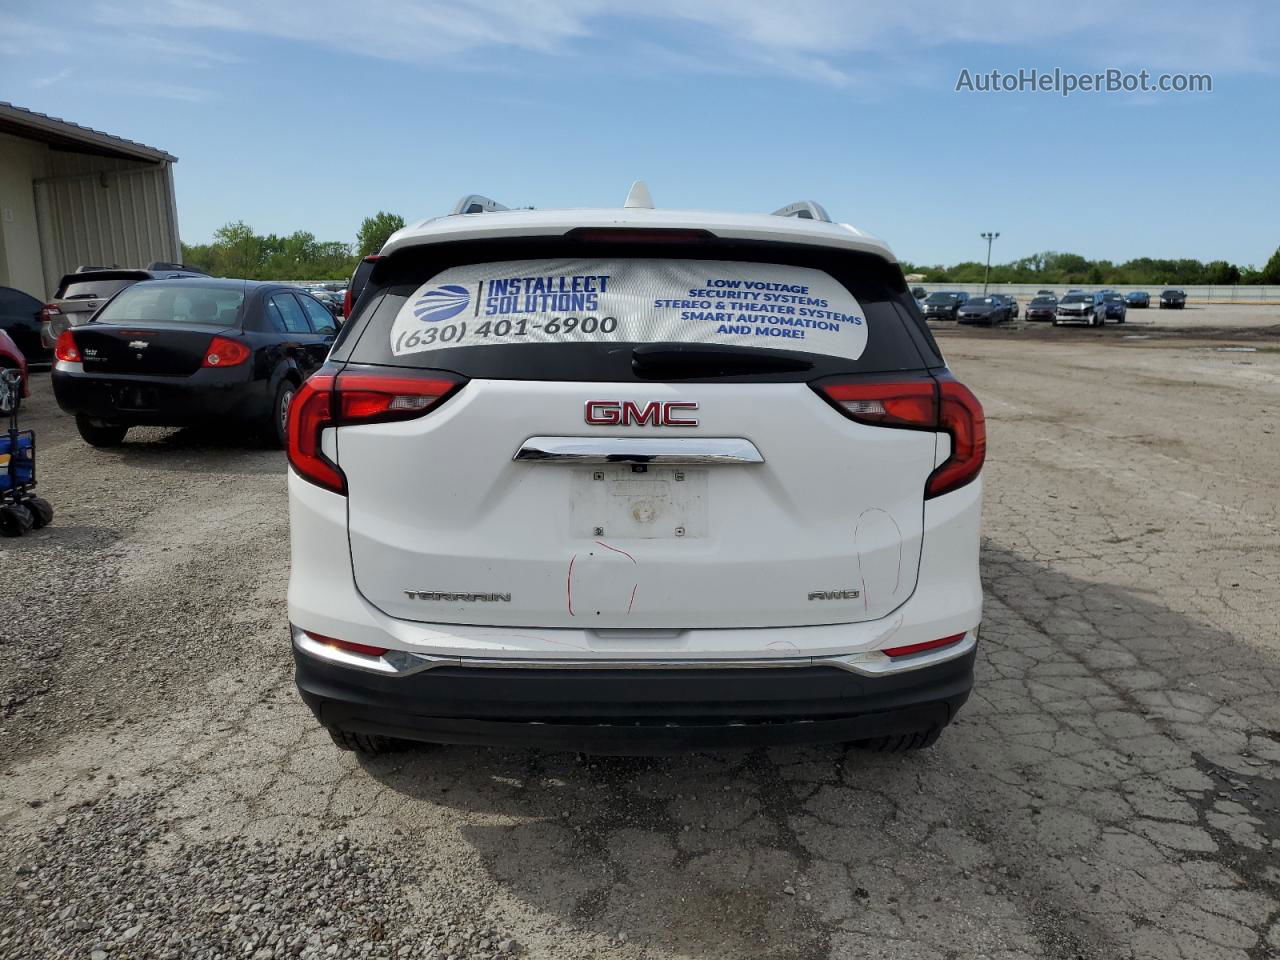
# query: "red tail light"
913,403
49,311
225,353
959,414
65,349
348,296
911,648
309,413
942,405
354,398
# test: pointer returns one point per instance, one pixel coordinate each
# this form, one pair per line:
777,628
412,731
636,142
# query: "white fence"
1201,294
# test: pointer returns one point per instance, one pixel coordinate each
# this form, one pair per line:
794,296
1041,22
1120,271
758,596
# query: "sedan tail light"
49,311
223,352
355,398
943,405
65,349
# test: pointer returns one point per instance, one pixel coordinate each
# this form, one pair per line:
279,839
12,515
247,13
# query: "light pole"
987,276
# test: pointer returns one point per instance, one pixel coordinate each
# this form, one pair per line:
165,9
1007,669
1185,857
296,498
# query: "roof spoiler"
166,265
803,210
475,203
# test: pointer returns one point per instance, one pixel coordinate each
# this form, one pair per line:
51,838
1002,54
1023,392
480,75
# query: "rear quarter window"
577,314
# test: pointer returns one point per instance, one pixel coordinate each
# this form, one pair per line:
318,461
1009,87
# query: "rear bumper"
206,395
634,710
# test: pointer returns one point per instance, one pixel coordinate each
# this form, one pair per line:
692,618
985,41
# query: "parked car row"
961,307
1076,306
1172,298
191,349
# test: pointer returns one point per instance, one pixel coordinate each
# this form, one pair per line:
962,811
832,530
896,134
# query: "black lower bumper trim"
633,711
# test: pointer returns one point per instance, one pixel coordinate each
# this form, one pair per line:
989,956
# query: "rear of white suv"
633,481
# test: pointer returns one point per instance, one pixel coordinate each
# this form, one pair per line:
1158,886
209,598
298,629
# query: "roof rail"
475,203
805,210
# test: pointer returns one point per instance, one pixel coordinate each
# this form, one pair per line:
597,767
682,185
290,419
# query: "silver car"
1086,308
80,294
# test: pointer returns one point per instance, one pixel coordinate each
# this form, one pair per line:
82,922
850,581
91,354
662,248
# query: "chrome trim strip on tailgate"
677,450
401,663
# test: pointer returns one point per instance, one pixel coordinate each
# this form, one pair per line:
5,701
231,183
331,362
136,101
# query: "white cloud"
833,42
53,78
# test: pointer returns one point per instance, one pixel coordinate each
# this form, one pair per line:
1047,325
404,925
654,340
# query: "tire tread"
901,742
368,744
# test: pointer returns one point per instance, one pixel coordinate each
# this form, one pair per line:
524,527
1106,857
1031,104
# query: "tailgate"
446,526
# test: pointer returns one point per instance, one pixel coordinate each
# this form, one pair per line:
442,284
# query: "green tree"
237,251
375,230
1271,272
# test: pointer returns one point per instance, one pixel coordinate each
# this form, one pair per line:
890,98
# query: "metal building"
72,196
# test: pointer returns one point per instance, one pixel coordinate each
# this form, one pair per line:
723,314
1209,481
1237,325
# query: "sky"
312,114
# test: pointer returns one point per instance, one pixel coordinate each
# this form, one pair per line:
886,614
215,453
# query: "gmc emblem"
624,413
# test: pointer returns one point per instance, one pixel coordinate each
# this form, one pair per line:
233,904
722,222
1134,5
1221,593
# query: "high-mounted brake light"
943,405
65,349
223,352
638,235
927,645
354,398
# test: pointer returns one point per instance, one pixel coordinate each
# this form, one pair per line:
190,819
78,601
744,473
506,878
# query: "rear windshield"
175,301
1042,300
1077,298
90,289
941,298
579,317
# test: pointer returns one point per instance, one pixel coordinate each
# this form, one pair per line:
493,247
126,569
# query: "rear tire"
901,742
98,434
41,511
365,744
15,520
276,431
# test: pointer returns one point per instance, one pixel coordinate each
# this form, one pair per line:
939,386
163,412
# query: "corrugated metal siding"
128,222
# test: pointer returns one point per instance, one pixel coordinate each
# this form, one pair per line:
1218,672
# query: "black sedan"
185,351
989,310
1042,308
943,305
1137,298
1173,299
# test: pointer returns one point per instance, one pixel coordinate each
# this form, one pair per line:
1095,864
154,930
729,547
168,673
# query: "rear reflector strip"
927,645
350,647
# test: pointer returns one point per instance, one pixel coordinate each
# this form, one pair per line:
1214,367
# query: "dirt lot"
1111,790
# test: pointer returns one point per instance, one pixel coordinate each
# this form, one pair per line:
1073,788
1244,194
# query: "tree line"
1051,267
237,250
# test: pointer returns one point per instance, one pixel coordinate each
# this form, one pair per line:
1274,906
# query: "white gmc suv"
634,480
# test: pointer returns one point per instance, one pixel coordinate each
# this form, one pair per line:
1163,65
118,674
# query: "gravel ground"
1111,790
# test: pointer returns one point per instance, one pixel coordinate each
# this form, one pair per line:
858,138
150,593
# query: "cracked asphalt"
1111,790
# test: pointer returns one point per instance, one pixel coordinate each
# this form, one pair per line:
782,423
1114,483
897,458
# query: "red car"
11,357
